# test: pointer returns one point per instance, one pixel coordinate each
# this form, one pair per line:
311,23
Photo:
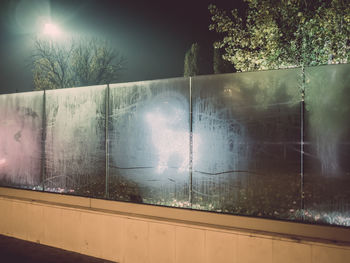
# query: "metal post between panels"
43,141
302,122
191,147
302,105
107,141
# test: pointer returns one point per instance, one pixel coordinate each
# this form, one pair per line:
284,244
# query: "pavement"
14,250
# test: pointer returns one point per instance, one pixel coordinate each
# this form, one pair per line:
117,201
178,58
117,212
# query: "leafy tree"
219,64
271,34
191,64
79,63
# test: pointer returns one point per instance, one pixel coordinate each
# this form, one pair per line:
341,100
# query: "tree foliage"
219,64
270,34
81,62
191,63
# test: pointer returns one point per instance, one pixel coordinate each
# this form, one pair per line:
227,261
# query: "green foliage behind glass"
272,34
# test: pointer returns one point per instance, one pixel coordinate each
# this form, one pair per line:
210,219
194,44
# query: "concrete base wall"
76,224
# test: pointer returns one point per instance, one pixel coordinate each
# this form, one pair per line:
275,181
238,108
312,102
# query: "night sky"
152,35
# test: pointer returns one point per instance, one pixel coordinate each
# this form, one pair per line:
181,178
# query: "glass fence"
327,148
149,136
21,130
241,143
246,137
74,141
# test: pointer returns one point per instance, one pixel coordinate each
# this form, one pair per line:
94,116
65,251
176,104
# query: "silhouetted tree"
191,63
219,64
79,63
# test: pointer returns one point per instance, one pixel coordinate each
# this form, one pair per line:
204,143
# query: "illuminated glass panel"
149,142
246,141
75,141
327,149
20,139
243,156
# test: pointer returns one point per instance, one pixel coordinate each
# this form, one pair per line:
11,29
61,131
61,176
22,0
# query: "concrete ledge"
293,230
240,223
125,232
46,197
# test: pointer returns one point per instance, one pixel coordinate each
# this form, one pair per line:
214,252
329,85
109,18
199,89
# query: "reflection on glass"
170,140
75,141
20,139
246,128
327,150
149,142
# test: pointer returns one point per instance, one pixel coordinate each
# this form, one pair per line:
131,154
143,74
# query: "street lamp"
52,30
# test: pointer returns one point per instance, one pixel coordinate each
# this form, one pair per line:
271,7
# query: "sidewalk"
14,250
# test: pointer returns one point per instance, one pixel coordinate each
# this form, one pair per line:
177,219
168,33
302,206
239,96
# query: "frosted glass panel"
246,139
228,143
75,141
20,139
327,166
149,142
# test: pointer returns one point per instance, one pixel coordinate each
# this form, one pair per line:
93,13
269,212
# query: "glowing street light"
52,30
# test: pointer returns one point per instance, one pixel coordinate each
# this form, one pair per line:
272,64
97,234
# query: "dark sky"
152,35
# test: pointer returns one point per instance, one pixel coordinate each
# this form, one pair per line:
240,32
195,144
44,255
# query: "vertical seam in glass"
302,155
302,106
43,142
107,141
191,147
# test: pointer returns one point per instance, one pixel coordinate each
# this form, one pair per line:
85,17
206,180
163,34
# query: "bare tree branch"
82,62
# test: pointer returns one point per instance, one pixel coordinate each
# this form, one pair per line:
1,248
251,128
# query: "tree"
271,34
96,62
219,64
191,63
79,63
51,67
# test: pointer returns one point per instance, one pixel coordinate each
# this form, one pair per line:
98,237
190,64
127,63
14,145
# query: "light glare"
172,144
2,161
52,30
